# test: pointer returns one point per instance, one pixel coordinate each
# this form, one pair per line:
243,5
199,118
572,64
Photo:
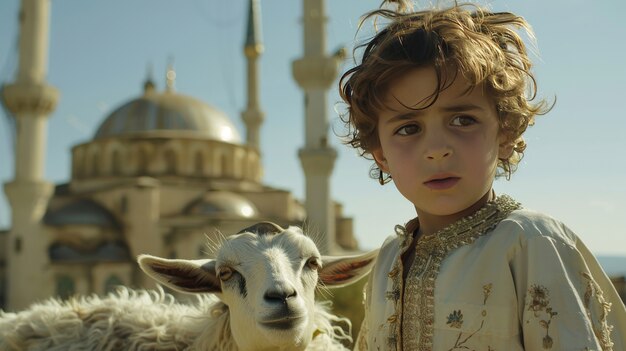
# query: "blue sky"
100,51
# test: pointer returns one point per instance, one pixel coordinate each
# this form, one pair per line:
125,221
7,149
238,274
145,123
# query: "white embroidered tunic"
502,279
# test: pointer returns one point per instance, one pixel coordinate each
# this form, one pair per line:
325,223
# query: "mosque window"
116,162
142,162
170,161
112,283
18,244
88,160
238,163
199,163
96,163
65,287
245,167
224,165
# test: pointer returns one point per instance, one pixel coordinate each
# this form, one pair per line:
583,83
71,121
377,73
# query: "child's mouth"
442,183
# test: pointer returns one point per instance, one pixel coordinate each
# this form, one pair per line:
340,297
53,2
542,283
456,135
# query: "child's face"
443,158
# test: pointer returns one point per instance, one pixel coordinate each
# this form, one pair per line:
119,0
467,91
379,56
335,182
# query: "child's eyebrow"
464,107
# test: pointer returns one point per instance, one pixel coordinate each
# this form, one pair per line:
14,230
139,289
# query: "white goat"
263,280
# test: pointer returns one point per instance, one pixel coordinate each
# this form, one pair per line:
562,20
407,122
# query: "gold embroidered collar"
418,307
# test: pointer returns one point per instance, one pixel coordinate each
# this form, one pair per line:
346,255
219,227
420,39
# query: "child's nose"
439,153
438,149
437,144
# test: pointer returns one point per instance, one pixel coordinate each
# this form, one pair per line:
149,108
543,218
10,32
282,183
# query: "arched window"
198,163
112,283
142,162
96,163
237,165
170,161
224,166
17,247
65,287
87,164
116,162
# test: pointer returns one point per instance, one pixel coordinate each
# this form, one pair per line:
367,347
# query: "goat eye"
225,273
313,263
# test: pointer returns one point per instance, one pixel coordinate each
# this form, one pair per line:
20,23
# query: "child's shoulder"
533,225
392,244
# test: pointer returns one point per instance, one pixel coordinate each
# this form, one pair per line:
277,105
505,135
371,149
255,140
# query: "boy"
440,102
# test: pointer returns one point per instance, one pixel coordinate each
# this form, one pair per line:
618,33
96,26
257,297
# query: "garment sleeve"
361,340
565,300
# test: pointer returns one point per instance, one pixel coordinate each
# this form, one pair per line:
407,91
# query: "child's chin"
451,206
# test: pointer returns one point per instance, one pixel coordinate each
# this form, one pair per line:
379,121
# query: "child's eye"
409,129
463,121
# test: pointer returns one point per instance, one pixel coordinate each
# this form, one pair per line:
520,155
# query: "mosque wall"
157,156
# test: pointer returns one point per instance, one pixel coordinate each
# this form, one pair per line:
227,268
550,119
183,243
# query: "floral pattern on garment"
457,321
597,309
539,304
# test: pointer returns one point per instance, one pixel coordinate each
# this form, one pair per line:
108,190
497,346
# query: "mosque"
163,174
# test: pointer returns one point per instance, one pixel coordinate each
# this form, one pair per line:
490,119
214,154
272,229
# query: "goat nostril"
274,296
279,296
291,294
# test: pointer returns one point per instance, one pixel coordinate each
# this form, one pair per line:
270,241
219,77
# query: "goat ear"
338,271
189,276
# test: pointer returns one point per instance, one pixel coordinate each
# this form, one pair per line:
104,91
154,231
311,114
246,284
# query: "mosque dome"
222,203
158,112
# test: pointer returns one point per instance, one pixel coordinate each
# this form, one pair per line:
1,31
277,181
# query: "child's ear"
379,158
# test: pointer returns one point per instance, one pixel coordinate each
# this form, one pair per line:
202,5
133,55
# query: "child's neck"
430,224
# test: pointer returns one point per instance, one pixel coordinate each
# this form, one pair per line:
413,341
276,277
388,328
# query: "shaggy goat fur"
139,320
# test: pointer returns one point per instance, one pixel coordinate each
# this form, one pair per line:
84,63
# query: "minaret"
315,72
148,86
253,116
31,100
170,77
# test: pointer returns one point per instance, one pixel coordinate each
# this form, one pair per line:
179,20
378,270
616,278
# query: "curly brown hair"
484,47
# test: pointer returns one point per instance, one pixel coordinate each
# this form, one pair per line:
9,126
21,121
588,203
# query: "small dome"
82,212
222,203
169,111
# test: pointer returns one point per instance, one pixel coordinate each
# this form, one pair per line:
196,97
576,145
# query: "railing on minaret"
315,72
253,48
31,101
